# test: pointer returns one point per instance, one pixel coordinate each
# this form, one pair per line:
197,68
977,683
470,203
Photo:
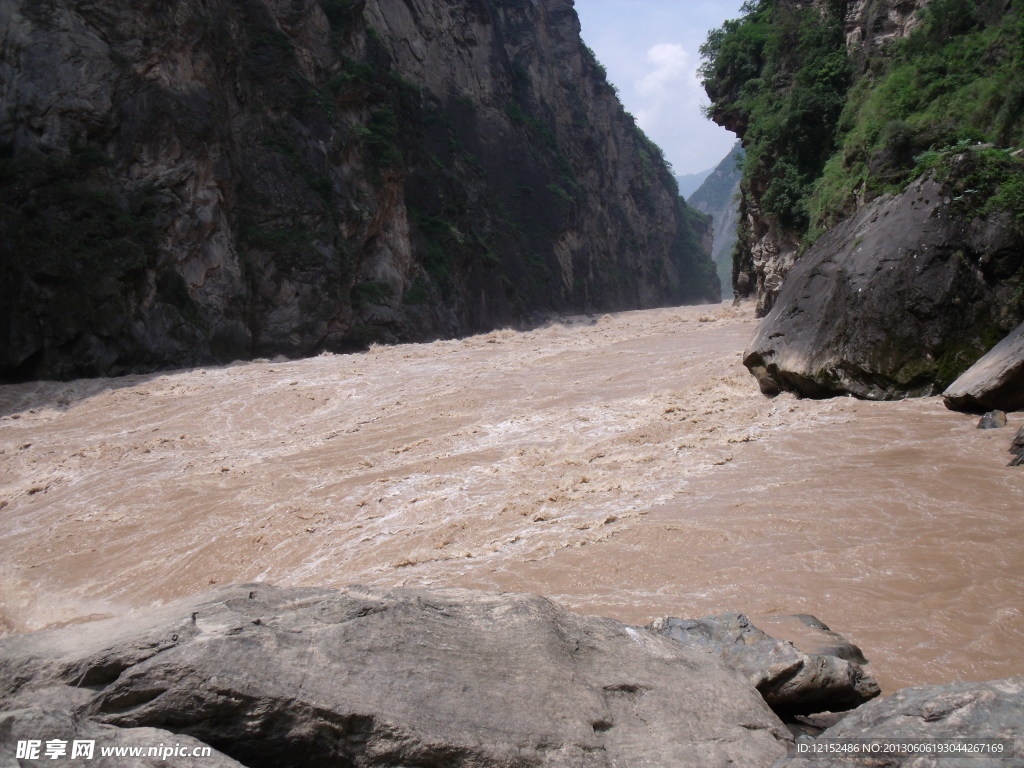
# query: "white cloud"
670,62
669,86
650,50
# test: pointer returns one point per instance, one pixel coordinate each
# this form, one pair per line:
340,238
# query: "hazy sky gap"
651,51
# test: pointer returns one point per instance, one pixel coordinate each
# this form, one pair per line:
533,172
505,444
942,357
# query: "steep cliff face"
183,182
834,98
871,24
719,197
777,78
841,104
828,42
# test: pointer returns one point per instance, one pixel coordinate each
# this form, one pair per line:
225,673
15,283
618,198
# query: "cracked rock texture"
968,711
375,677
792,682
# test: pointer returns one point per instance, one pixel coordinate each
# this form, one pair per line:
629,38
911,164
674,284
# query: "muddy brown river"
624,465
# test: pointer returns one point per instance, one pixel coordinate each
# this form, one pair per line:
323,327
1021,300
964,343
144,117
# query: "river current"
624,465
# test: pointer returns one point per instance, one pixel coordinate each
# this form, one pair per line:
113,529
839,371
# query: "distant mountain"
719,197
690,182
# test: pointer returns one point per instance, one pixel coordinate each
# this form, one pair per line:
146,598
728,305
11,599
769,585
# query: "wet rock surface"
972,711
992,420
792,682
1017,444
373,677
896,301
995,381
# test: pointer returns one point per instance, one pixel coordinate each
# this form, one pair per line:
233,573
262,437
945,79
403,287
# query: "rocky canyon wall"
770,235
847,110
719,197
187,182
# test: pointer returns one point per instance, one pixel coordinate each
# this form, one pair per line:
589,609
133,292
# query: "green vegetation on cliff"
718,197
826,129
957,80
779,76
883,193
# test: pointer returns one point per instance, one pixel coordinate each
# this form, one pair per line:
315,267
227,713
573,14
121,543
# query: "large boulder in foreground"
996,381
896,301
970,711
43,725
373,677
792,682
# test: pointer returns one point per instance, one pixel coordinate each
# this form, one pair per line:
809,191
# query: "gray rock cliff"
183,182
871,24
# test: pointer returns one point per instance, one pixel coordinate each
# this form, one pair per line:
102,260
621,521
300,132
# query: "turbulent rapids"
625,465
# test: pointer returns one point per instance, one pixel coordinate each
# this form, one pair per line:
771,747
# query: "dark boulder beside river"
896,301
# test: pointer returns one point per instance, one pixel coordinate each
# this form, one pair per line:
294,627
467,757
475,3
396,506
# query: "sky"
651,51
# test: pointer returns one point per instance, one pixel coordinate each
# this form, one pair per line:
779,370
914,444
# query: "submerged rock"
894,302
375,677
995,381
992,710
992,420
792,682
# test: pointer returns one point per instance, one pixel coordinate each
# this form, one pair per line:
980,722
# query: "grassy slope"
824,135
